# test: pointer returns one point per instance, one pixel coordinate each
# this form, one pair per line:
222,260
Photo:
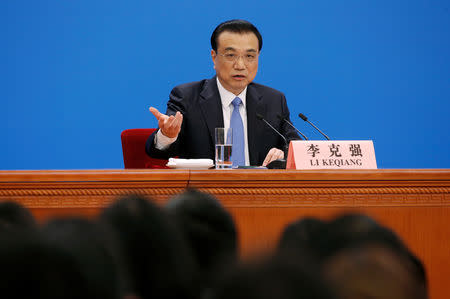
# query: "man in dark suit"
195,109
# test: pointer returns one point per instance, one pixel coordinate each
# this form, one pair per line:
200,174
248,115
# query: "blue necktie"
238,151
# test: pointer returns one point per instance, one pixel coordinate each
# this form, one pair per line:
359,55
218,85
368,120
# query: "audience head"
14,215
156,257
208,228
281,277
358,256
31,267
90,246
373,271
301,235
353,235
354,230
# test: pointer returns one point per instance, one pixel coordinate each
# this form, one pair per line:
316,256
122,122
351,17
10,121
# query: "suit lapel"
254,125
211,107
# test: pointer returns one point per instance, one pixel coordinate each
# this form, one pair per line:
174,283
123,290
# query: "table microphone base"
277,164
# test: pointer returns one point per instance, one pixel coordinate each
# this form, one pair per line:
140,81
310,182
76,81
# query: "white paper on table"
190,163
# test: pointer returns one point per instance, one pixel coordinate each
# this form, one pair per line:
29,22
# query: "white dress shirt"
226,97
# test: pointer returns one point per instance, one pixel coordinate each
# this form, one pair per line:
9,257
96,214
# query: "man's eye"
230,55
251,56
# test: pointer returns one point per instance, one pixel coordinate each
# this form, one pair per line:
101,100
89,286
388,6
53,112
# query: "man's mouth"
239,77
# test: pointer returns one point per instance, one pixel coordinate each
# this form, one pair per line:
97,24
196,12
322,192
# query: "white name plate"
337,154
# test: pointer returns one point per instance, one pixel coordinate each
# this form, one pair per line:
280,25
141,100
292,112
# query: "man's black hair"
15,215
360,231
155,254
88,244
32,267
279,277
209,229
300,235
235,26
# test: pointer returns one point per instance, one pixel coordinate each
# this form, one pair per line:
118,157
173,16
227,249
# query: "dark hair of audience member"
13,214
208,228
373,271
300,235
351,230
359,232
31,267
280,277
90,247
156,256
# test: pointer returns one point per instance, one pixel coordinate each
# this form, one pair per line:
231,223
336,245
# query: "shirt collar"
227,97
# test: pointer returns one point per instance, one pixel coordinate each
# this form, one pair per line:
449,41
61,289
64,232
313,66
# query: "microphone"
302,116
279,163
260,117
289,123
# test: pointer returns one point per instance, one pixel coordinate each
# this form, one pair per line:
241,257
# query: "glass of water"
224,143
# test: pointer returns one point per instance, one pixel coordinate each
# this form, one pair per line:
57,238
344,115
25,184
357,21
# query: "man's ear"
213,56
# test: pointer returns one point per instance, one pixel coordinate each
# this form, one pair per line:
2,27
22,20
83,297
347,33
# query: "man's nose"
240,63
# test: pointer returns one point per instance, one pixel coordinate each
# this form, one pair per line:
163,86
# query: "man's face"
236,60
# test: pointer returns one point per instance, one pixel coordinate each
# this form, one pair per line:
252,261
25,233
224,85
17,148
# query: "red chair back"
133,148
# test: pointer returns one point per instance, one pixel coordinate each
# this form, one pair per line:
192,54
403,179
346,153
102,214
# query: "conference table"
414,203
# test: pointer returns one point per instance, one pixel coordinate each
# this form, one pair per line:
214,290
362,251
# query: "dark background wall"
74,74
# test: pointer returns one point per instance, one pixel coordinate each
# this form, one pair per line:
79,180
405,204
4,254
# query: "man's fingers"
178,115
279,154
166,122
174,121
170,125
273,155
177,121
170,122
268,158
162,121
155,112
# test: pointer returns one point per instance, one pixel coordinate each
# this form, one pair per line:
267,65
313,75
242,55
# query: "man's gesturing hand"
272,155
169,125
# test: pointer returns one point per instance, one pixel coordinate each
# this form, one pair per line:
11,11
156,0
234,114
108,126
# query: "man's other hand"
170,126
273,155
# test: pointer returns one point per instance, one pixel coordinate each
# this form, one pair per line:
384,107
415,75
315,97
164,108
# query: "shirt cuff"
162,142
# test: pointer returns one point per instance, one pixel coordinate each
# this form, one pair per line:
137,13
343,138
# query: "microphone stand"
279,163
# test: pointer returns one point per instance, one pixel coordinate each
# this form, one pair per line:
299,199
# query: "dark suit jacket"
200,104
